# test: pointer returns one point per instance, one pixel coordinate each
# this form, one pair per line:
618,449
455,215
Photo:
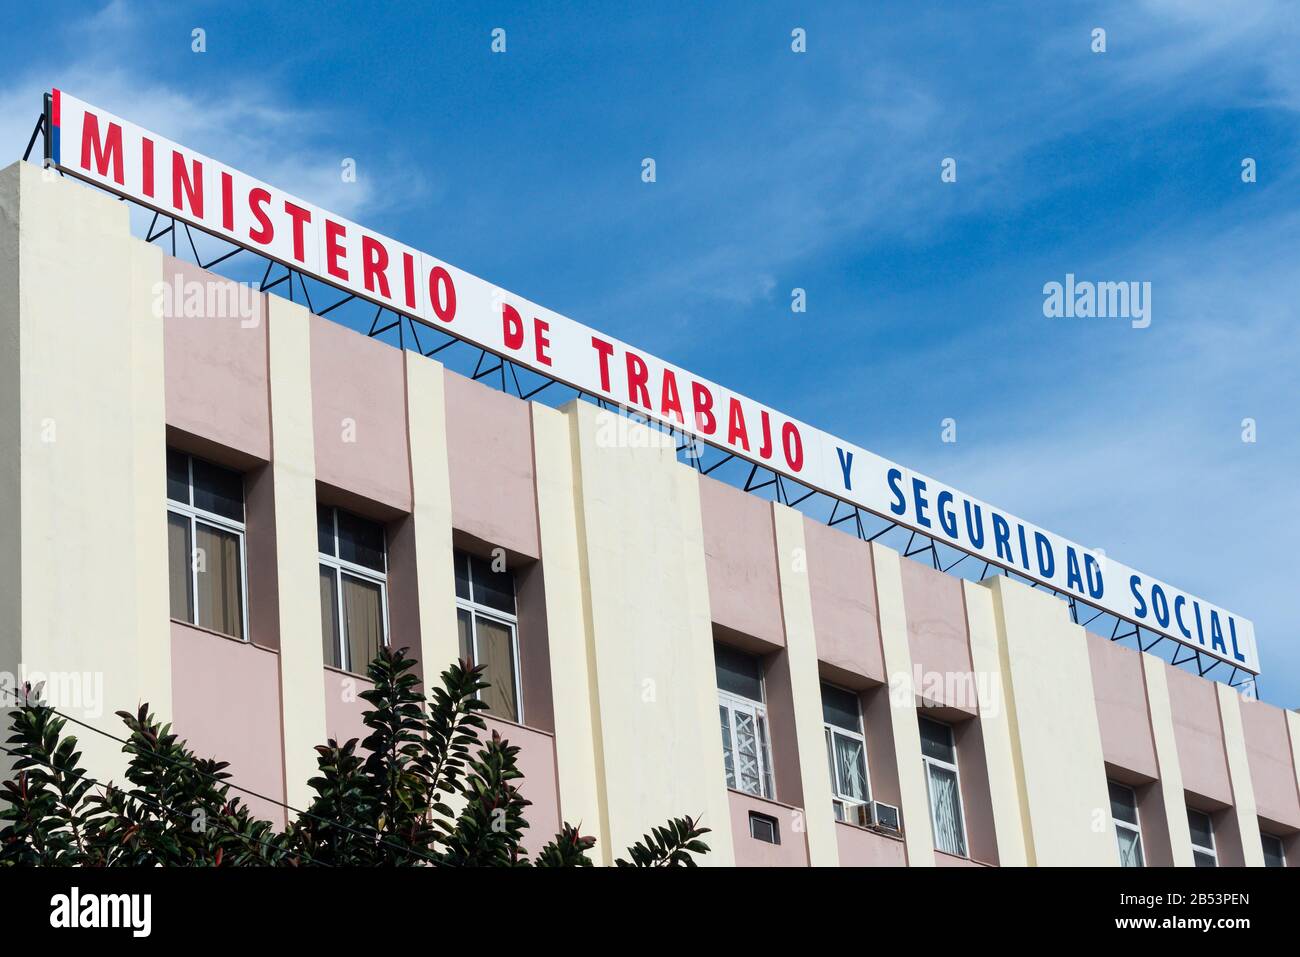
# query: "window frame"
840,802
767,819
1212,850
475,609
758,711
194,516
1281,848
340,567
1135,828
929,762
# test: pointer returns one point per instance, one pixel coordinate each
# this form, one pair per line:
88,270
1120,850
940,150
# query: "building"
660,642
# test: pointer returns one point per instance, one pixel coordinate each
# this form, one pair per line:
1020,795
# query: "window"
764,828
205,544
1274,854
353,588
1202,828
1128,832
846,750
745,750
939,754
489,633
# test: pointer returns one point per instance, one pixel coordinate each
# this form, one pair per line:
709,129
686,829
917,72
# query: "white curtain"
946,802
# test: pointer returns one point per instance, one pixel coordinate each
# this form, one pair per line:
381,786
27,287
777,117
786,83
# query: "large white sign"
101,148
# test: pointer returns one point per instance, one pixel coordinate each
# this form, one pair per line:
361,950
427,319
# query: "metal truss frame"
708,459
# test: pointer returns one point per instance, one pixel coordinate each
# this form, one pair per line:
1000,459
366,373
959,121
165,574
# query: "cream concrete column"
1171,773
1048,677
996,716
293,476
805,685
641,542
82,441
1293,733
918,836
1243,790
579,763
426,423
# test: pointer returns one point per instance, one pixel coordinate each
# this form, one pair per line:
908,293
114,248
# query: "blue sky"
821,170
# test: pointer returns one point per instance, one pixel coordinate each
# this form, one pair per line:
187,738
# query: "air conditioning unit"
876,815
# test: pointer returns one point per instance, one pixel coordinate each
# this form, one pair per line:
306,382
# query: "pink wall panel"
791,852
1268,749
936,634
1120,692
843,585
226,704
214,365
540,784
1199,736
860,847
490,455
740,560
358,392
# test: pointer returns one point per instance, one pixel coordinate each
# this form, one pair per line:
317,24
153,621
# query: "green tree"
384,801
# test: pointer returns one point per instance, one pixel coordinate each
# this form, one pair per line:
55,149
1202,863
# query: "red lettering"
765,450
374,260
793,456
408,279
187,181
442,294
105,151
606,349
258,199
228,202
300,218
669,400
512,327
540,328
637,376
736,431
703,400
334,250
146,166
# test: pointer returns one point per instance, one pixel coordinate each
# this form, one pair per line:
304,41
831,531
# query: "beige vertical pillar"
293,465
1166,745
1243,790
640,544
83,605
426,418
1048,679
995,716
579,764
805,685
918,836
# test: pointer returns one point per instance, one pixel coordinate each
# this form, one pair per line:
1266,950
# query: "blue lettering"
1073,578
1160,604
894,477
974,527
1002,537
1096,587
947,517
1140,606
1179,602
922,503
1232,628
1046,560
846,466
1216,633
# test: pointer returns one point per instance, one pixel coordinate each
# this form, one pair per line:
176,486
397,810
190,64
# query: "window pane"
1274,856
1130,847
851,768
738,673
465,630
496,648
462,575
1201,827
363,617
1123,803
749,777
1202,859
179,555
329,616
220,584
495,589
219,491
360,542
325,530
178,476
936,741
945,802
766,753
840,708
728,756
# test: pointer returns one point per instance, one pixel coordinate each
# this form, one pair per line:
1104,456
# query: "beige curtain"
179,555
463,629
220,592
364,611
329,616
496,652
